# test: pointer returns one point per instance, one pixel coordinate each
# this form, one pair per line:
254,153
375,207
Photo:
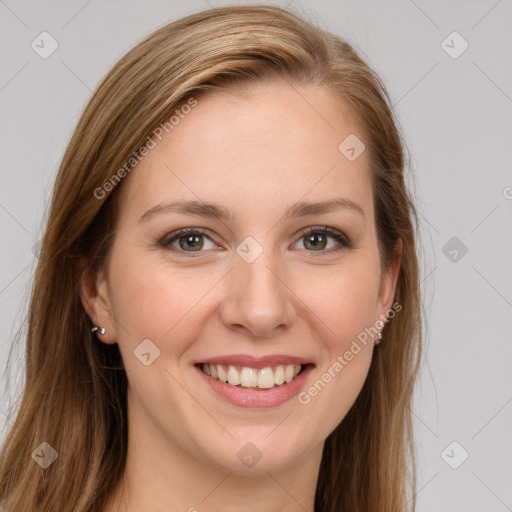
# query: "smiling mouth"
253,378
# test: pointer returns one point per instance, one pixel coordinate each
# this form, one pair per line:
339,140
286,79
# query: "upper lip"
255,362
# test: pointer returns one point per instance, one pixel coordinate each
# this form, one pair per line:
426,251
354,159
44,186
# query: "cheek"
345,302
345,299
151,300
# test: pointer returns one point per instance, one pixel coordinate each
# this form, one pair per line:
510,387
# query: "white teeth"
279,375
222,374
265,378
288,373
248,377
233,376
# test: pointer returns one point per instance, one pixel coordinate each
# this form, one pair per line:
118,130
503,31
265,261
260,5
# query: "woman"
226,309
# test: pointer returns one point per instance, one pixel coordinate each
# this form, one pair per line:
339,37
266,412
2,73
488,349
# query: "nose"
258,298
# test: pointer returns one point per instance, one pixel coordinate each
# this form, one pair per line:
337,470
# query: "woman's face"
256,283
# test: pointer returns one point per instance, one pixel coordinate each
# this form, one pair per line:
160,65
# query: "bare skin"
257,155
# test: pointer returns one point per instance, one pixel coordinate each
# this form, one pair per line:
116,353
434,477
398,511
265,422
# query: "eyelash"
344,241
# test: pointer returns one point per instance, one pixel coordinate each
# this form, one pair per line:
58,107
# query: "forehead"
268,145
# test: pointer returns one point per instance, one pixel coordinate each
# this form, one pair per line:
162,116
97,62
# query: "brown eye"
317,240
187,240
194,242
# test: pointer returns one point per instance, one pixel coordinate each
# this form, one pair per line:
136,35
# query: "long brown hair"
74,395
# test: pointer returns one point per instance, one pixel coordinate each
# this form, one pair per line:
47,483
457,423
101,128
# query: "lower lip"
244,397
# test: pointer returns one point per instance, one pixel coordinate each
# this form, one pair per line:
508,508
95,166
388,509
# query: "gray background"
456,117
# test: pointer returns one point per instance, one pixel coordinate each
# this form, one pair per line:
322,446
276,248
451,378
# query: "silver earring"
379,338
98,330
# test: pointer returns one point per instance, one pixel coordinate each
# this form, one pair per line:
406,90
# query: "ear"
388,281
93,290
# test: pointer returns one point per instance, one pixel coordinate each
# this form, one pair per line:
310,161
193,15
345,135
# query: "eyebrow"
211,210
